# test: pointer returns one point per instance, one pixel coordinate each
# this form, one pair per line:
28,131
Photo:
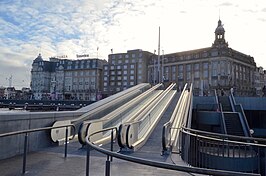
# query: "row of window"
119,83
121,56
118,67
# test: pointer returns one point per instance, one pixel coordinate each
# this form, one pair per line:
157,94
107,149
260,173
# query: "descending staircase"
232,121
233,124
225,102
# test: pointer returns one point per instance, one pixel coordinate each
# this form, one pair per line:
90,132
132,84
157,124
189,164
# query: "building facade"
125,70
216,67
65,79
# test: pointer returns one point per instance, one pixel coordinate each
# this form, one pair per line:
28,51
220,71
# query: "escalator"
233,124
225,103
234,121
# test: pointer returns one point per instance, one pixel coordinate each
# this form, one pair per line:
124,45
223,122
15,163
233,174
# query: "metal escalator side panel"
82,133
86,129
166,136
131,135
121,136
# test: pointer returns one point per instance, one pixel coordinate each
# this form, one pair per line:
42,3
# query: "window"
132,66
196,66
125,66
132,72
205,65
180,68
214,68
196,74
188,67
205,74
173,69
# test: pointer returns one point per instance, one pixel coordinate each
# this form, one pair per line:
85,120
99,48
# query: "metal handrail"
166,132
223,140
114,115
225,135
35,130
152,163
151,108
241,112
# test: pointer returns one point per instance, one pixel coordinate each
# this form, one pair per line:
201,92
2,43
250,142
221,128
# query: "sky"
70,27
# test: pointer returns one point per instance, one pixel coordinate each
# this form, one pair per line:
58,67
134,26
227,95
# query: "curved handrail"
224,139
38,129
206,133
35,130
159,164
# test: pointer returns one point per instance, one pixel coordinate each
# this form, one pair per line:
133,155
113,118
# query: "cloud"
226,4
55,27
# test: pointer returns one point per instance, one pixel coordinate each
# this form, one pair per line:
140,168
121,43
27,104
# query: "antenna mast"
159,79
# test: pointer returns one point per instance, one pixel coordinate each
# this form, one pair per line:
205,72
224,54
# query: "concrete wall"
16,121
252,103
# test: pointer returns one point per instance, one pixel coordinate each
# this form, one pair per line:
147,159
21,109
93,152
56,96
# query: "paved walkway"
51,161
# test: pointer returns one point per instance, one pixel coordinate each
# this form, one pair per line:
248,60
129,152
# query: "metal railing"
26,132
219,151
157,164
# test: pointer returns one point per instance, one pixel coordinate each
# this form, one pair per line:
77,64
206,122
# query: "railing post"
66,139
88,161
112,144
25,153
107,166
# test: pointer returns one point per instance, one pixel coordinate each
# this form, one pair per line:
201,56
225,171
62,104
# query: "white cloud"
73,27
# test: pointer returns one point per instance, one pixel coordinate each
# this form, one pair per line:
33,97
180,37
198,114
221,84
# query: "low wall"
16,121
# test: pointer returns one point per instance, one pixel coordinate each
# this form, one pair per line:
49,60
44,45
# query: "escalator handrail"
155,103
242,114
170,122
222,118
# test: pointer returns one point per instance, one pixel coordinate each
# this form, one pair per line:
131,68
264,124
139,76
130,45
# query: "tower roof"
39,58
220,28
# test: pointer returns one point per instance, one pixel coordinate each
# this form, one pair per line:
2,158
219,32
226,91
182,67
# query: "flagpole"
159,80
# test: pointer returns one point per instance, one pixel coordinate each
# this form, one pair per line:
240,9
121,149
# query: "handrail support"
25,153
